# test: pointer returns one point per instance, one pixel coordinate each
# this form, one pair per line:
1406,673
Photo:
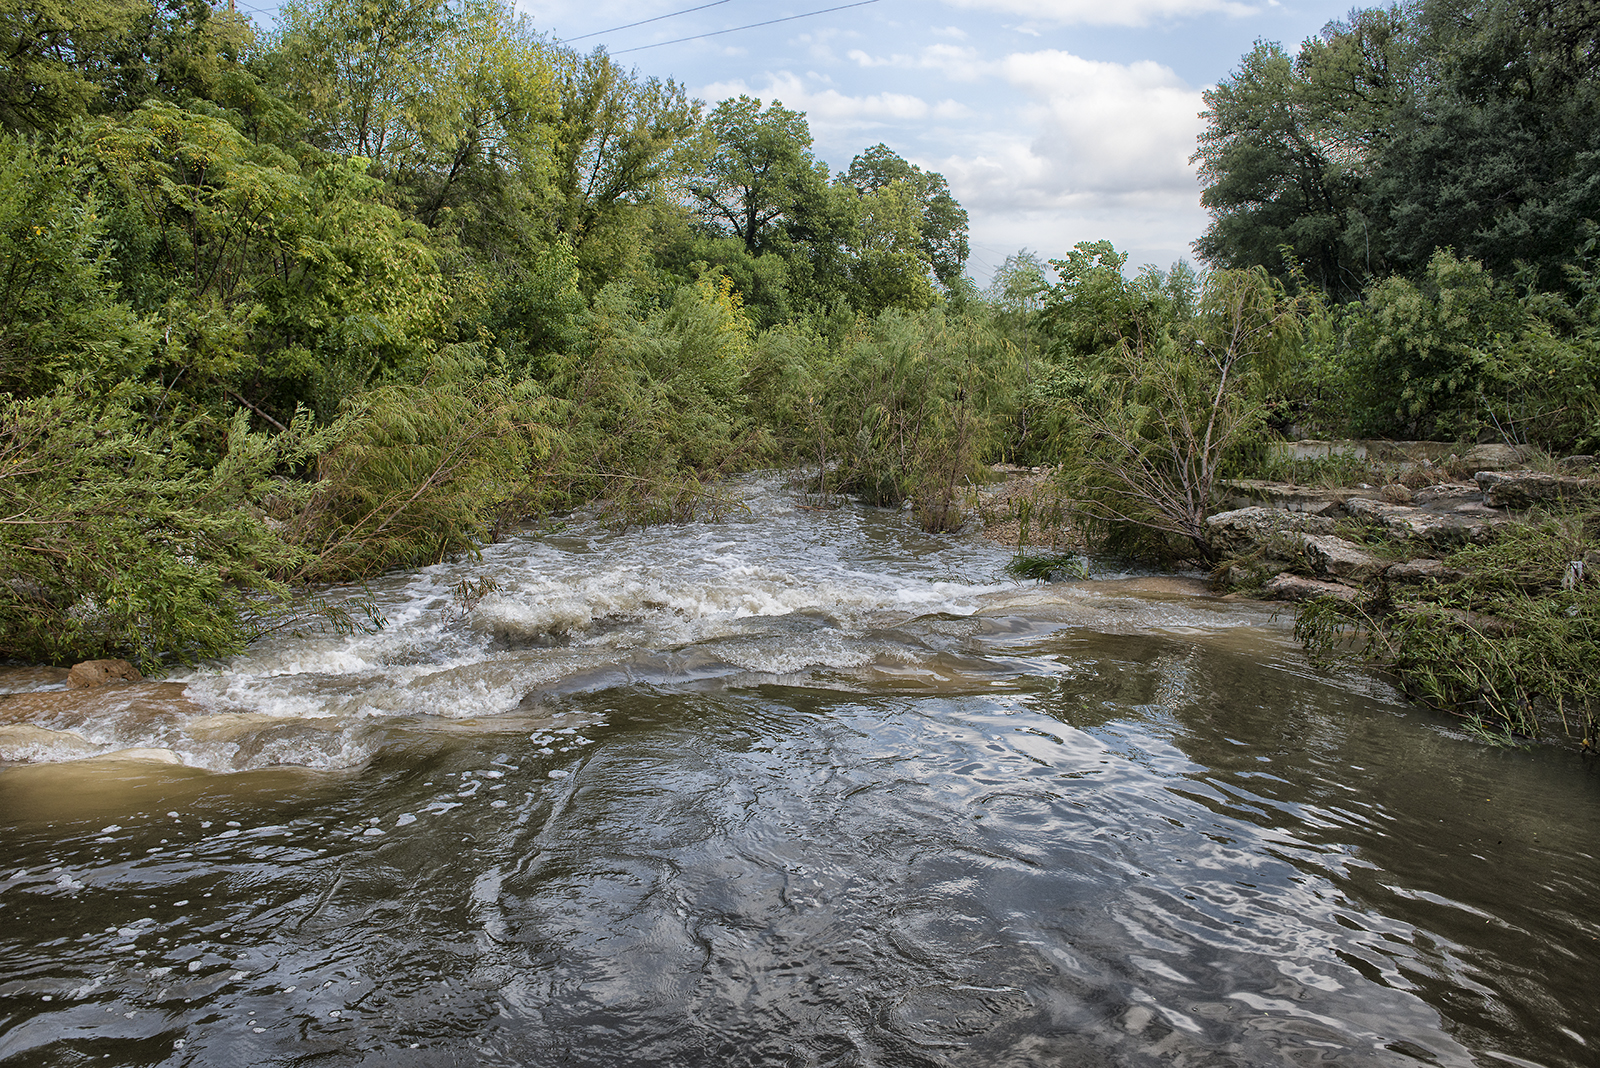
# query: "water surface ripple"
795,789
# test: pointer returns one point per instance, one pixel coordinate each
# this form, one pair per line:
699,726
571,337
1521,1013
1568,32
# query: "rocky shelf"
1284,540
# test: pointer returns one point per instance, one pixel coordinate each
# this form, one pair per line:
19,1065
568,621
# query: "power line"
645,22
751,26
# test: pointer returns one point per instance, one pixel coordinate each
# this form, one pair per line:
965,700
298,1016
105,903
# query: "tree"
761,178
357,70
888,264
1500,158
60,313
1281,169
618,142
1464,124
48,51
941,222
1162,411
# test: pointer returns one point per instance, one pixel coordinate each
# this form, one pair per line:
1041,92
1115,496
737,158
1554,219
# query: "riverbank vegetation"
373,287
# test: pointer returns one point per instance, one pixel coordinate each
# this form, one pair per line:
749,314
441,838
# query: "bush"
1156,419
115,542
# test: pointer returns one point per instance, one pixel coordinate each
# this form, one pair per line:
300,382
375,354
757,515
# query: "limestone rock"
1579,463
1523,489
1495,457
1396,493
1244,530
1447,491
1287,587
1465,525
99,672
1248,492
1335,556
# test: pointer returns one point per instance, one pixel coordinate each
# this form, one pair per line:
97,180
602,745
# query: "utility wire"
751,26
645,22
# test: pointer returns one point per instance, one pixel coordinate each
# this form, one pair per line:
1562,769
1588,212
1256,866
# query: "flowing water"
796,788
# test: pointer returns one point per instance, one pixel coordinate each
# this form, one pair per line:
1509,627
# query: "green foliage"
51,50
1460,352
1155,418
1462,124
618,144
58,315
362,292
115,541
910,409
938,223
417,472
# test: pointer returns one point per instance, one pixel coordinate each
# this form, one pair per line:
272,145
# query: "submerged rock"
92,673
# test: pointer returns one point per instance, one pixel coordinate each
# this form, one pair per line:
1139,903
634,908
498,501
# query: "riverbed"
798,787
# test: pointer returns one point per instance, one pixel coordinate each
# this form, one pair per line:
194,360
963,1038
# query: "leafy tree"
49,50
182,50
1465,124
60,316
761,179
941,224
1498,158
617,143
1286,145
1155,423
358,69
911,404
888,264
1458,351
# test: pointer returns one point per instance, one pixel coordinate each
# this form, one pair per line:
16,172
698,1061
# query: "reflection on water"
885,809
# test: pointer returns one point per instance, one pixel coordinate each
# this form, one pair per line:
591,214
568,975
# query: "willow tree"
1159,413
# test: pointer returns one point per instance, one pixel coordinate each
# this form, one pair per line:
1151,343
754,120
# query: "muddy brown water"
797,788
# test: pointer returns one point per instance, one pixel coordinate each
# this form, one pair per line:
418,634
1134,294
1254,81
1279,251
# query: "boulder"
1465,525
1523,489
1245,530
1496,457
1247,492
1579,463
1343,559
99,672
1287,587
1447,492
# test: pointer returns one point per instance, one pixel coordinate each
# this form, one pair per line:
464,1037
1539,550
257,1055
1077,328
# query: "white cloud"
1109,126
1112,13
1097,150
954,62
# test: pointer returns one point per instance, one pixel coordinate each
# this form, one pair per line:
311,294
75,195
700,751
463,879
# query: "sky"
1054,121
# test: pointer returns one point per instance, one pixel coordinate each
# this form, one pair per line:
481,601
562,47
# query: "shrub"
115,542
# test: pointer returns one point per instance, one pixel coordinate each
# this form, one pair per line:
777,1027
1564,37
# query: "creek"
798,787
